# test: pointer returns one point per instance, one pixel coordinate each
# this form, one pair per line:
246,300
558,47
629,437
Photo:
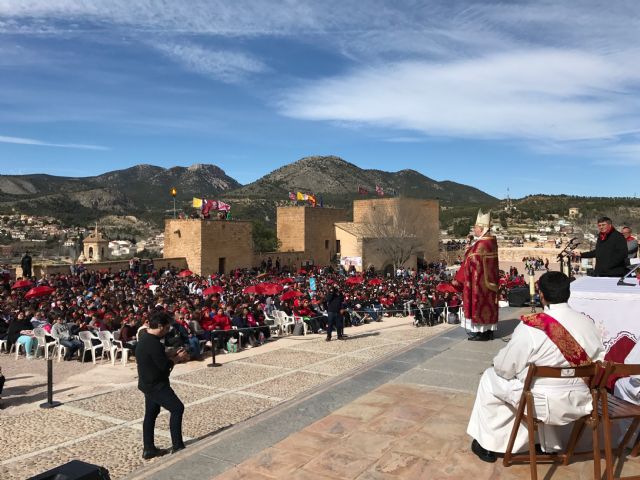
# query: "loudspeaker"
518,296
74,470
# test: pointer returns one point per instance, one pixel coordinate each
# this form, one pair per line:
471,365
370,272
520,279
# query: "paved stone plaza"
105,428
403,417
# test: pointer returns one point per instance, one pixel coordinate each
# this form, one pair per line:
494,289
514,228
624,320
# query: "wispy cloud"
40,143
540,72
546,94
227,66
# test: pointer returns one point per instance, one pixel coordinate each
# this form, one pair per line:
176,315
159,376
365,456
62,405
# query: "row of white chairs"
109,344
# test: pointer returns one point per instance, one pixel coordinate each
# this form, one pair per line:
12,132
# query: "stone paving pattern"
395,432
401,417
105,429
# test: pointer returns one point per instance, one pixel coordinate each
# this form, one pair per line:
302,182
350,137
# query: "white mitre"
484,221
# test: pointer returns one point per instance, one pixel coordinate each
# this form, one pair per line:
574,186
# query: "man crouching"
558,337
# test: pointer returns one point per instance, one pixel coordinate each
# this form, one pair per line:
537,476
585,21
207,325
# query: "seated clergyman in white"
557,337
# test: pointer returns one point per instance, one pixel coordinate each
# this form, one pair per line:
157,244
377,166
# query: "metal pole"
213,353
50,403
174,207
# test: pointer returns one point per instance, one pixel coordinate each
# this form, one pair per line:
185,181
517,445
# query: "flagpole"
173,194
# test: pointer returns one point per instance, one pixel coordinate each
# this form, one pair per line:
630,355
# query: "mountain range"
144,190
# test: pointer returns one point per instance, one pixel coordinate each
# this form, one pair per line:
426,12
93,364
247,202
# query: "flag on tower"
292,196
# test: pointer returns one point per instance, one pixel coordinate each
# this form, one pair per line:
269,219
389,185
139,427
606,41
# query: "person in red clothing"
222,323
305,312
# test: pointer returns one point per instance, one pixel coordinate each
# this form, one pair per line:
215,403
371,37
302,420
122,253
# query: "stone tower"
95,247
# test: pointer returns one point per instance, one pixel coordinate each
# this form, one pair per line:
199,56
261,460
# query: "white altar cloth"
615,309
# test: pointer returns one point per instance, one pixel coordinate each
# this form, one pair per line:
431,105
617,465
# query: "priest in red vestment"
478,279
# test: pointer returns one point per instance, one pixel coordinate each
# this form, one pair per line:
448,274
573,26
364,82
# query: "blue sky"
537,97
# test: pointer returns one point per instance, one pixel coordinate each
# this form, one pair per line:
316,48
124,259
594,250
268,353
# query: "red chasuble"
568,346
479,278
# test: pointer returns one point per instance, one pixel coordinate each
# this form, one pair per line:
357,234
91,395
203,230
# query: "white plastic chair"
286,321
3,346
61,350
17,346
305,326
41,335
111,347
86,338
124,352
272,323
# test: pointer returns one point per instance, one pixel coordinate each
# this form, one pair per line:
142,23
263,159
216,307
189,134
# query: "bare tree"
396,231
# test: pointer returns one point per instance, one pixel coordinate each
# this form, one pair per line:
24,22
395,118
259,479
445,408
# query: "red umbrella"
269,288
213,289
302,271
185,273
354,280
287,280
375,281
446,288
22,284
291,294
251,289
42,291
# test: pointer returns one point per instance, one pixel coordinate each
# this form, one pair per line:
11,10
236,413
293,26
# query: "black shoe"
328,339
156,452
482,453
177,448
342,337
481,337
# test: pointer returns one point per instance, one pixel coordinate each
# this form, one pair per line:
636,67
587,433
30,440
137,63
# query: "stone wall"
290,227
116,265
226,246
309,230
320,233
292,260
210,245
421,216
183,238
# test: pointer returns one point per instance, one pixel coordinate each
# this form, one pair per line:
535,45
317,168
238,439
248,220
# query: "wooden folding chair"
526,414
614,408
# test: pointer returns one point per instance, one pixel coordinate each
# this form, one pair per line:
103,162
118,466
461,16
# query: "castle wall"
320,233
210,245
183,238
420,216
230,241
39,270
290,228
309,230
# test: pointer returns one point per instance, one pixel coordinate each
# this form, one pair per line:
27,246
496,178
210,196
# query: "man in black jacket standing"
154,368
611,251
335,301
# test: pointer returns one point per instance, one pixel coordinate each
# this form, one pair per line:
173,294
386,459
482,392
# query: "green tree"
461,227
264,238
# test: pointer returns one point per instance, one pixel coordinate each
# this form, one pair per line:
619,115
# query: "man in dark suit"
25,263
610,252
335,309
154,368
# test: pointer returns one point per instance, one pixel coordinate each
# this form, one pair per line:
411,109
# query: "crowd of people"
229,313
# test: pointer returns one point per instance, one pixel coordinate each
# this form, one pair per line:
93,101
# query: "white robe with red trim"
556,401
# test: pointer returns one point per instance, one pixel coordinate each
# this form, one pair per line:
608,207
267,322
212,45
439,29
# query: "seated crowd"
122,302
